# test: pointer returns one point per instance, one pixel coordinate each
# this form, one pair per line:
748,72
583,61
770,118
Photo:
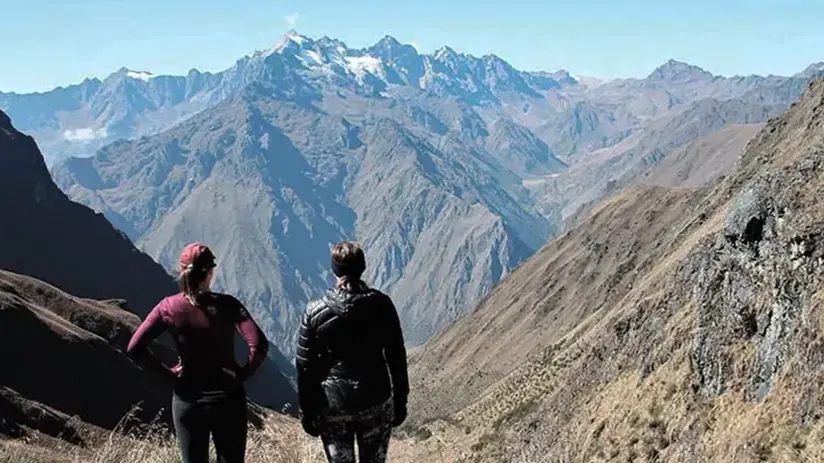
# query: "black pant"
372,428
223,417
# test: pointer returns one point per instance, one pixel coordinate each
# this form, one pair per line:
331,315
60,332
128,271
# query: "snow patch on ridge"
360,65
311,58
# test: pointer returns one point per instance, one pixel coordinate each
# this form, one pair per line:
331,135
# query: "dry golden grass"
279,441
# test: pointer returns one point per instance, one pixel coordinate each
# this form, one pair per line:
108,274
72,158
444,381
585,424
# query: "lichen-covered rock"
747,215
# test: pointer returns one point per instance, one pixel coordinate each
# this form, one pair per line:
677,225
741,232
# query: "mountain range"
450,168
78,119
571,115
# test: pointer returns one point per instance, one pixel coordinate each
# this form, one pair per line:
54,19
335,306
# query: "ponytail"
350,284
191,281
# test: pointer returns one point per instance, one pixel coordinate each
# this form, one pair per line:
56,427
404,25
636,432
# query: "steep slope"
706,347
703,160
579,275
49,237
439,230
271,184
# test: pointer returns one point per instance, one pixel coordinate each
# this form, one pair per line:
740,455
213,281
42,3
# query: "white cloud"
291,20
81,135
142,75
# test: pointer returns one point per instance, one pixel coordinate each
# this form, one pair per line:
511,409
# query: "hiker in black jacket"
351,362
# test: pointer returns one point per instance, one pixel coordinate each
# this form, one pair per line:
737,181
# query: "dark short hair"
348,260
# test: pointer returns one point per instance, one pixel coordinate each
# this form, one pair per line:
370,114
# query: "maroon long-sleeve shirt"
204,336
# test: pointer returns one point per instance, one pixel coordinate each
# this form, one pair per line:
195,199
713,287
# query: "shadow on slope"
67,354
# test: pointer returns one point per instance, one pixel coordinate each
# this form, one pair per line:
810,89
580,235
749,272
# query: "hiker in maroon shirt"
209,396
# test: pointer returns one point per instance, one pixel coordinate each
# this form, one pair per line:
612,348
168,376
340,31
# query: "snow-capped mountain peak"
393,52
291,40
126,74
293,36
327,56
445,53
387,43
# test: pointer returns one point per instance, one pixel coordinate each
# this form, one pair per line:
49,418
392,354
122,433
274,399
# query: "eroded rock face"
752,284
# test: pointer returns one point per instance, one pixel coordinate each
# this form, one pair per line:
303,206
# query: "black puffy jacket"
351,354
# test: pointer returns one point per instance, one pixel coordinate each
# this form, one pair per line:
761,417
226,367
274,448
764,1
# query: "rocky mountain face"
65,244
270,184
670,325
476,164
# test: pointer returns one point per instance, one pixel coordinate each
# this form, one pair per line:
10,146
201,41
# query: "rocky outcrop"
755,281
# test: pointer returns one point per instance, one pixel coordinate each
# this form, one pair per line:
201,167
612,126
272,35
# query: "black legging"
225,419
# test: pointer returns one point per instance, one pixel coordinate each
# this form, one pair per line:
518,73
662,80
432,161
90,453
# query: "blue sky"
57,42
